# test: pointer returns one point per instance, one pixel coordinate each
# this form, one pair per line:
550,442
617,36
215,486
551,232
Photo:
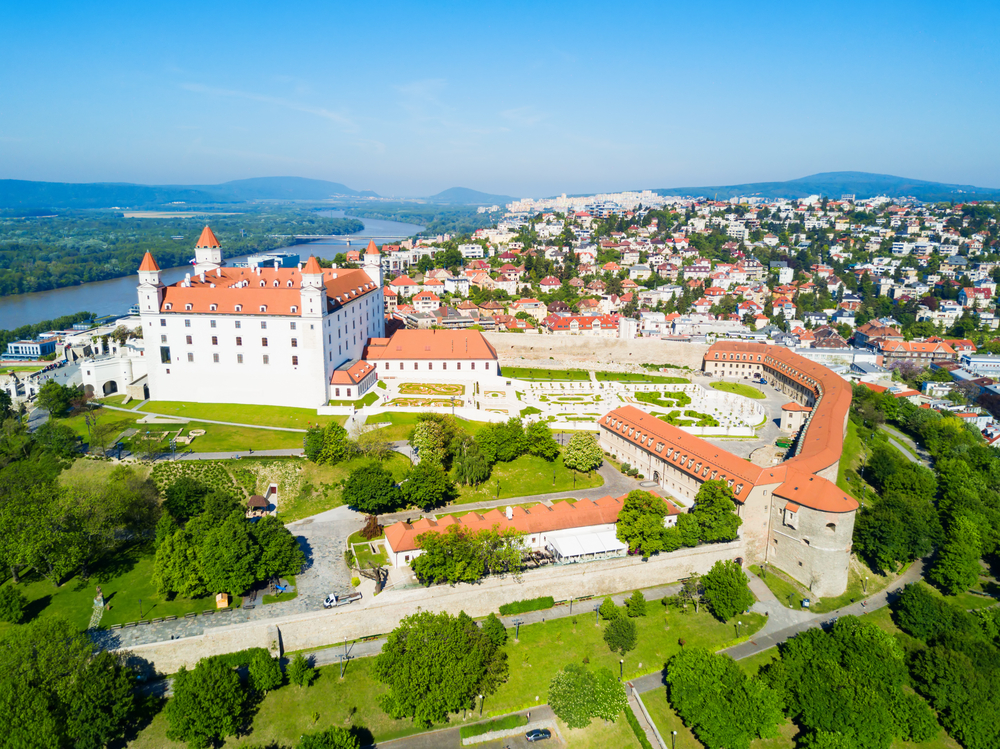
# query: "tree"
333,445
300,672
101,703
620,635
57,439
571,694
208,704
722,705
635,605
462,555
435,664
280,553
608,699
539,441
583,453
428,486
494,629
12,604
957,567
471,466
727,590
640,522
265,672
372,489
609,610
176,570
502,442
331,738
229,557
715,510
57,399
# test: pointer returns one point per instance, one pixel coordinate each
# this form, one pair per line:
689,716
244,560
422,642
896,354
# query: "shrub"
300,672
620,635
531,604
497,724
355,582
12,604
241,657
609,611
637,729
635,605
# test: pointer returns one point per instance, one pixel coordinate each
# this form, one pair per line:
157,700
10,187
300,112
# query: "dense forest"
436,219
49,252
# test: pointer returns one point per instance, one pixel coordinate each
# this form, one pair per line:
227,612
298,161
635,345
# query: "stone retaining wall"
380,615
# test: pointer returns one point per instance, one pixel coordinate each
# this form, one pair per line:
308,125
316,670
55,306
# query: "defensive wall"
381,614
592,352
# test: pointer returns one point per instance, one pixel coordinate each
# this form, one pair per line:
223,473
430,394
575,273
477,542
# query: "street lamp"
517,629
597,613
866,584
621,668
480,706
673,740
738,625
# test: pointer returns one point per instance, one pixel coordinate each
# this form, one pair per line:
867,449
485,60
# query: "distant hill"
835,184
23,194
466,196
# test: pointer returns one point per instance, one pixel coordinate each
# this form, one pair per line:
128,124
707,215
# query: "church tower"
372,263
151,287
207,253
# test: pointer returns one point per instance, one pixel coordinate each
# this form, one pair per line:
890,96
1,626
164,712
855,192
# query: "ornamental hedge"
531,604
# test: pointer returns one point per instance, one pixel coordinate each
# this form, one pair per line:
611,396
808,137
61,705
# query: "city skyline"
518,100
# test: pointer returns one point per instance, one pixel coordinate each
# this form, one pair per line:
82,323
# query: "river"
116,295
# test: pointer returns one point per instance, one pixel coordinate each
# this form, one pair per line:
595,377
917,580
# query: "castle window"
292,325
239,308
187,339
239,358
263,308
215,340
239,341
832,527
212,308
262,284
263,342
275,283
187,323
267,359
238,324
188,306
295,361
163,320
191,357
215,358
289,284
294,310
211,323
168,305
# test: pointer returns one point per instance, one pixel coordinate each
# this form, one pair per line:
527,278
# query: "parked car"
333,600
538,734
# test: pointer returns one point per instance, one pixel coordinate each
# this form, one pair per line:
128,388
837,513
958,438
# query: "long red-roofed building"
794,515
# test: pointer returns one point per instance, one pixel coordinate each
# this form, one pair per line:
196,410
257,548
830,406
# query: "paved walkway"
913,452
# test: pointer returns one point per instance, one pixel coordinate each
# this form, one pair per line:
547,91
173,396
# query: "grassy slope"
268,416
739,388
648,378
526,476
402,424
531,373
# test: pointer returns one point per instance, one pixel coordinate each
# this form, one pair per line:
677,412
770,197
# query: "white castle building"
281,336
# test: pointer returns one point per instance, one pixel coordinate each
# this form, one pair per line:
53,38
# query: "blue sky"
523,99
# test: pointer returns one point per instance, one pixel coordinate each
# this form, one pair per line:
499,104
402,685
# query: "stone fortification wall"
589,352
380,615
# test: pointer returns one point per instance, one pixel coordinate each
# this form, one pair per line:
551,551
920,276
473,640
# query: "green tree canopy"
640,522
331,738
722,705
428,486
583,453
621,635
436,664
372,490
727,590
229,557
715,510
539,441
208,704
280,553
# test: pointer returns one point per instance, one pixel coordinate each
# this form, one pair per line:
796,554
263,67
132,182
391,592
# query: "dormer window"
168,305
213,307
275,283
263,284
294,309
189,306
289,284
239,307
263,308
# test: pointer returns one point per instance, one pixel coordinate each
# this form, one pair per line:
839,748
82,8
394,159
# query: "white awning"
580,543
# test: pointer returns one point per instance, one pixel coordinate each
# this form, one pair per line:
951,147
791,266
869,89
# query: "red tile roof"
431,344
148,263
207,239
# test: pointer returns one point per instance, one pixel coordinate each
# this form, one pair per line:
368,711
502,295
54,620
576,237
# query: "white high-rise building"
279,336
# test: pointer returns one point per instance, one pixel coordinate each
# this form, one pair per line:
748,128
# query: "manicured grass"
114,400
286,596
755,663
787,591
361,403
666,399
528,475
321,486
631,377
739,388
600,735
530,373
530,411
857,587
287,713
20,368
95,472
402,424
125,580
268,416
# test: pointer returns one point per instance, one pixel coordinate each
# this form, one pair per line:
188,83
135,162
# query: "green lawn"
739,388
401,424
755,663
648,378
543,649
598,735
782,585
267,416
114,400
526,476
847,475
320,488
530,373
124,580
788,592
361,403
20,368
